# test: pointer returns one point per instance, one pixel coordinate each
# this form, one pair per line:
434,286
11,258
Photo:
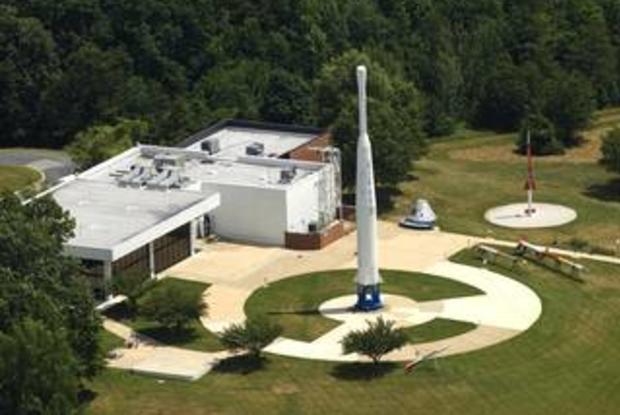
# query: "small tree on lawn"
378,339
171,306
252,336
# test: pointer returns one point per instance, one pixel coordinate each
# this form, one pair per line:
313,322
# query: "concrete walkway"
52,164
149,357
506,309
235,271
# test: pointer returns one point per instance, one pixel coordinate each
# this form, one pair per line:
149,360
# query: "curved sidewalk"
236,271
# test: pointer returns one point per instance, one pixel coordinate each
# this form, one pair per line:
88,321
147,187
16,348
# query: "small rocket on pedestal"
368,278
530,184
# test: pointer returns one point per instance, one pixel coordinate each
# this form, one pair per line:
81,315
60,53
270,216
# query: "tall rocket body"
530,184
367,278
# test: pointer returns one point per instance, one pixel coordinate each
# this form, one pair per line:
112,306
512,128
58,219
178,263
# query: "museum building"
143,210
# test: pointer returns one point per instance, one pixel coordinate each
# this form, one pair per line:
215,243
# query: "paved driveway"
53,164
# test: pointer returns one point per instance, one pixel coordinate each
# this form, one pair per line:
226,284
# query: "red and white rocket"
530,184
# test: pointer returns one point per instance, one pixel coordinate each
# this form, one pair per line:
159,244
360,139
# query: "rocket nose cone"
361,71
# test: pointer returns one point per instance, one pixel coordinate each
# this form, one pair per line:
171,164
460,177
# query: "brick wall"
315,240
308,151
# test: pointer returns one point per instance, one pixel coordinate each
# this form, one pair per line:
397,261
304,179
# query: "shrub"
375,341
132,286
252,336
171,306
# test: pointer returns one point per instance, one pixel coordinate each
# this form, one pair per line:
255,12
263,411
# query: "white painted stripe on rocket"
365,201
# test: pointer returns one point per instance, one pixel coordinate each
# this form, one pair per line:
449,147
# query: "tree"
252,336
569,105
394,145
91,90
394,122
611,150
542,135
38,372
287,98
375,341
101,142
38,281
171,306
28,65
504,98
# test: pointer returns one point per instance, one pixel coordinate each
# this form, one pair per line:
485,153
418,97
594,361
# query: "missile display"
367,278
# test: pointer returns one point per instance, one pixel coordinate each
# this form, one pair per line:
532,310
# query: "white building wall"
250,214
302,204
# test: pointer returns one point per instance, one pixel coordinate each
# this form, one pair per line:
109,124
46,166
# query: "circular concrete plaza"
504,309
545,216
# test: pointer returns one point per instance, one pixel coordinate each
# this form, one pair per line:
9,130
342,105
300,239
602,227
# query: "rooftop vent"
255,149
211,146
287,175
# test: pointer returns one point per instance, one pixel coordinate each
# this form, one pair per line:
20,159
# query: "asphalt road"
53,164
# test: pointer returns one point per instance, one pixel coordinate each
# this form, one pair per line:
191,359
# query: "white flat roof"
201,168
112,221
234,140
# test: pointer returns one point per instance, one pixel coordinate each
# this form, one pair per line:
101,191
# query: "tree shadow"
86,396
362,371
120,312
302,312
607,192
170,336
244,364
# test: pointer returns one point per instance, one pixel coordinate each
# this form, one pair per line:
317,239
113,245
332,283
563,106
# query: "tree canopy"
38,282
611,150
68,65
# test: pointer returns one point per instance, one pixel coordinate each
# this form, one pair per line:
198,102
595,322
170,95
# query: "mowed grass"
14,178
568,363
463,177
437,329
293,302
194,336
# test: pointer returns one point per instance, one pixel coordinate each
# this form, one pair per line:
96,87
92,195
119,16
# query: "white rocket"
368,278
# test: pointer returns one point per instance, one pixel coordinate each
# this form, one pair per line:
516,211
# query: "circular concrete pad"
514,216
402,310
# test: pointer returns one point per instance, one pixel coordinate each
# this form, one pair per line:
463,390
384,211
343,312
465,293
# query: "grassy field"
14,178
568,362
294,302
465,175
194,336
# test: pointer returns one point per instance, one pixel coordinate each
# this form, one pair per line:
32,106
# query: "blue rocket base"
368,298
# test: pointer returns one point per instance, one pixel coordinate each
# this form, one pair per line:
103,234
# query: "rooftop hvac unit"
255,149
165,160
287,175
211,146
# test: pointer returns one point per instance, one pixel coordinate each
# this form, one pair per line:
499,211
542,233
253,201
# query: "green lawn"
437,329
109,341
463,176
568,362
294,302
194,336
14,178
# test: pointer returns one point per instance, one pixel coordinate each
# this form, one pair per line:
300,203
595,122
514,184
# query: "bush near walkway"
171,306
252,336
376,341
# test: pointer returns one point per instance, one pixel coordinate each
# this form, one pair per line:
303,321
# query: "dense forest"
70,65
